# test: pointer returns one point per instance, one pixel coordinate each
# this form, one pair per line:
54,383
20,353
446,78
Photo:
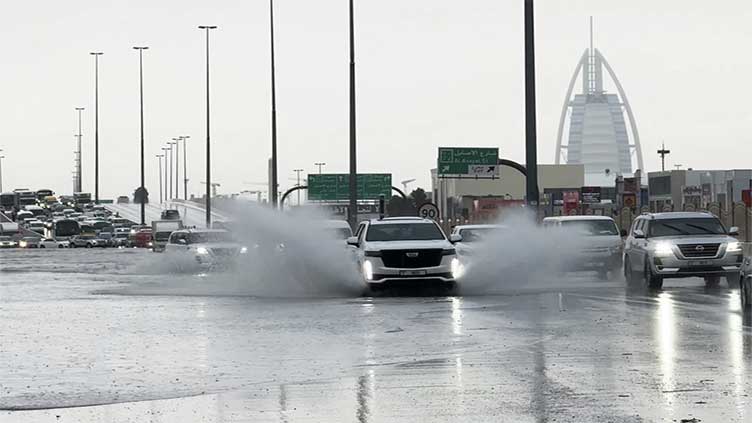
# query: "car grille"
224,252
699,250
402,259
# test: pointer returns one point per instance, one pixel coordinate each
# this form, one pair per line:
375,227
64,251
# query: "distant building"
597,135
678,188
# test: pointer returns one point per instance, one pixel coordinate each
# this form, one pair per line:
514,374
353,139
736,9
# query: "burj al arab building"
593,125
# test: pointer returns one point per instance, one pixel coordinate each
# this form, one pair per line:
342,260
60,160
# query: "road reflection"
665,335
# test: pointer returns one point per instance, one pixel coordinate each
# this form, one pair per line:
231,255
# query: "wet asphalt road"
90,336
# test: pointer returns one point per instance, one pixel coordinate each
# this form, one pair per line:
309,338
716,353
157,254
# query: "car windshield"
476,234
592,227
404,232
208,237
691,226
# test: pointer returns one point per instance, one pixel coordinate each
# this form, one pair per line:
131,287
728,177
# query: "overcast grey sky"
430,73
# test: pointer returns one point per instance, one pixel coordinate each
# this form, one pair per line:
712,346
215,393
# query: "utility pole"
1,173
142,188
96,125
663,152
297,171
274,182
352,215
208,144
159,156
78,164
531,153
319,165
164,153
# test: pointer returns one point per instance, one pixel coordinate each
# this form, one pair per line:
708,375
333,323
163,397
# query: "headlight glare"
664,249
243,250
368,270
734,247
457,268
202,250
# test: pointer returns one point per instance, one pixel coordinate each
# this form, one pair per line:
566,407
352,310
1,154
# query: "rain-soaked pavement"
87,336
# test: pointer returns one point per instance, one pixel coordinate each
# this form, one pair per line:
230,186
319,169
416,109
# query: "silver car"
681,245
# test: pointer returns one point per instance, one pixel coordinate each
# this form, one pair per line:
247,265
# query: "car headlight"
202,250
368,270
663,249
22,244
734,247
243,250
457,268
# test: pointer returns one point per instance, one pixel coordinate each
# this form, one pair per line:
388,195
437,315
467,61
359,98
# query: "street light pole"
164,152
171,144
208,145
274,182
78,165
353,206
1,172
185,169
159,156
531,142
177,167
320,165
142,188
298,173
96,125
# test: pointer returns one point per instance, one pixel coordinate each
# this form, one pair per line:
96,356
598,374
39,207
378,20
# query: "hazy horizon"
429,74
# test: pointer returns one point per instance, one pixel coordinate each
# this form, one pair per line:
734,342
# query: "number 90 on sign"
428,211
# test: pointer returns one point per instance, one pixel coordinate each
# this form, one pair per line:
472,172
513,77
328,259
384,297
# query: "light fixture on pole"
164,152
177,166
208,144
319,165
96,125
142,188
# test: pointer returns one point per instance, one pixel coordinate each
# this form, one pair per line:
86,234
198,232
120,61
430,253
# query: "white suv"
405,249
208,248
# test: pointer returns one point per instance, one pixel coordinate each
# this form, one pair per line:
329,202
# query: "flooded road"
107,335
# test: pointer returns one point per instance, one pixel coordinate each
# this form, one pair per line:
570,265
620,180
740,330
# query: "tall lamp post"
142,188
274,179
185,168
353,206
531,149
319,165
171,144
297,171
96,125
1,172
208,144
177,166
160,156
164,152
78,147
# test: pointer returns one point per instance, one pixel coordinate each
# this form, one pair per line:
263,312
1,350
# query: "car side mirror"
639,234
353,240
734,231
453,238
623,233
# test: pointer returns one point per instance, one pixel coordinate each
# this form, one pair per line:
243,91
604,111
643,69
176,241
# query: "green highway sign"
468,161
336,186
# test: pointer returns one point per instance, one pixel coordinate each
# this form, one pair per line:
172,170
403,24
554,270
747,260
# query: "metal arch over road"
293,189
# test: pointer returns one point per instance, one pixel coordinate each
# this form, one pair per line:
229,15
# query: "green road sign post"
336,186
463,161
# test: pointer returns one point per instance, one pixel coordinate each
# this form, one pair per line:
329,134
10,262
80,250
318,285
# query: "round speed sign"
429,211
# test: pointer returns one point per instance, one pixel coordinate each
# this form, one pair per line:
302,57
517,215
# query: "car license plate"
412,272
700,263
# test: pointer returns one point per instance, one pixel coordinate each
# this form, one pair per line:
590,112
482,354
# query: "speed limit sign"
428,211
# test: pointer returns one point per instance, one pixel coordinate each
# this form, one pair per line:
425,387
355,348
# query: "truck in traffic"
7,202
161,230
25,198
62,229
80,199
